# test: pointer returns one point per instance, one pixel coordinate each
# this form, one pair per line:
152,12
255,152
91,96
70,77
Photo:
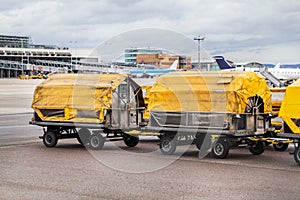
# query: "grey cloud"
230,26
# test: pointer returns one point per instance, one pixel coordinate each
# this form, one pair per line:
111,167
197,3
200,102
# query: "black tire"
97,141
83,136
131,141
257,148
297,155
167,145
50,139
281,146
220,149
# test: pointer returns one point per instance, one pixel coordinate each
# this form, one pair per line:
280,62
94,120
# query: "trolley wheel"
83,136
257,148
96,141
167,145
50,139
297,155
131,141
281,146
220,149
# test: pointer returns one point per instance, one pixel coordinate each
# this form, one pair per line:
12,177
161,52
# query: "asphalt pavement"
29,170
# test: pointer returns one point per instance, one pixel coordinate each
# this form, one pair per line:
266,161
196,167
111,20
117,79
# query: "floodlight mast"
199,39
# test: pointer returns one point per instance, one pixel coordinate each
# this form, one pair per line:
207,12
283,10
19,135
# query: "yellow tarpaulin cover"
215,91
290,106
73,92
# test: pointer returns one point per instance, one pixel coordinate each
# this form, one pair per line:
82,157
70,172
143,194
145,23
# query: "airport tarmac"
28,170
16,95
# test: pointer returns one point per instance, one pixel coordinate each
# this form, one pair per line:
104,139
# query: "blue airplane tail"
223,64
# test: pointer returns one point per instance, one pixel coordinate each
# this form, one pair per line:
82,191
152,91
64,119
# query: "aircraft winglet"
277,66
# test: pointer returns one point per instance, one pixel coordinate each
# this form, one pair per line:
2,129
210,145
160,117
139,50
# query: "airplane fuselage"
285,73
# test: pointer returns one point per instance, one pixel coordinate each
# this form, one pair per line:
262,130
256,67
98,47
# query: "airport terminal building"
18,55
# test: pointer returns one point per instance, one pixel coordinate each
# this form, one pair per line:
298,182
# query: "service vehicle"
89,107
215,111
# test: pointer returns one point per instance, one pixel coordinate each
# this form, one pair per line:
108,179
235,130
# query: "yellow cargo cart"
89,107
290,114
190,107
287,128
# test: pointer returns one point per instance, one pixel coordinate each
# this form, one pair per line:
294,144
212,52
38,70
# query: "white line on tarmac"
15,114
19,126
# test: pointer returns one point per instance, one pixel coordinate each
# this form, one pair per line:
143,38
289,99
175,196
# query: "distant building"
18,55
15,41
254,65
156,57
131,53
148,59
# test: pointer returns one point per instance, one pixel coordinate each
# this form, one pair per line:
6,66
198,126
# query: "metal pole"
76,55
71,54
75,49
198,38
22,56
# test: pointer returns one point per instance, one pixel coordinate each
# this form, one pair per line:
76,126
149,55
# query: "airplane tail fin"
174,65
223,64
277,66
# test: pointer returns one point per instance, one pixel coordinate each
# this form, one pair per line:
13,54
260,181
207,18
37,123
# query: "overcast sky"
266,31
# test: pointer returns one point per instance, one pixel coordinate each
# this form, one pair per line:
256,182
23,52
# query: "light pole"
198,38
75,49
22,57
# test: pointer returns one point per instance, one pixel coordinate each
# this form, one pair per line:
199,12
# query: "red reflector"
32,119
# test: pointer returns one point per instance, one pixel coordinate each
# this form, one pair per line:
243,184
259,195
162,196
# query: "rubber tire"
83,136
167,145
257,148
97,141
220,149
50,139
131,141
297,155
281,146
